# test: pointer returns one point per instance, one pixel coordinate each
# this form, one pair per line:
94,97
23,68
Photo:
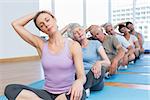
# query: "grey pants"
13,90
94,84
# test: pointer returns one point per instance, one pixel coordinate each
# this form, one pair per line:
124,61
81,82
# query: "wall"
11,45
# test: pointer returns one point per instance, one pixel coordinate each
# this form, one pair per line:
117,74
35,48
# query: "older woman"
94,57
60,80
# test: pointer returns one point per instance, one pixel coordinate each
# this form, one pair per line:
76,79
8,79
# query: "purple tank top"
59,70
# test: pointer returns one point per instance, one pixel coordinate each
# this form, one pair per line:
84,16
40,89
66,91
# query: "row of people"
116,47
120,49
83,63
128,42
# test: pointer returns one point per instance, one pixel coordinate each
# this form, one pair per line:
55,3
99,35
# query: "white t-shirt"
132,40
123,41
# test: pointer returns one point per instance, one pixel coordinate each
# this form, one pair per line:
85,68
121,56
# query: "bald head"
94,28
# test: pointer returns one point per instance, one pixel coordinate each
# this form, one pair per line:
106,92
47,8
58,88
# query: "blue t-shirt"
91,54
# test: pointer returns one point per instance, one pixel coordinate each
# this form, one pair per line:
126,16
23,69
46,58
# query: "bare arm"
121,23
120,53
105,61
78,61
76,90
140,39
130,50
32,39
63,30
137,46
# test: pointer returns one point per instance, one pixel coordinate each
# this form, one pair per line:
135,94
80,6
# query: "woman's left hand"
96,69
76,90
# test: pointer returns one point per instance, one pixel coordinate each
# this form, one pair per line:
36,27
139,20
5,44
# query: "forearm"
26,35
104,63
120,54
130,51
137,46
81,78
23,20
63,30
122,23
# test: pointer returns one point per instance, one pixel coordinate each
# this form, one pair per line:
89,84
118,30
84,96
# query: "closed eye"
47,19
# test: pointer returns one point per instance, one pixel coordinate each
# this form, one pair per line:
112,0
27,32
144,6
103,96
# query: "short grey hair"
106,25
70,29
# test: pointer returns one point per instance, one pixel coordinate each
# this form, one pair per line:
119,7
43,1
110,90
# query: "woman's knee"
98,87
10,90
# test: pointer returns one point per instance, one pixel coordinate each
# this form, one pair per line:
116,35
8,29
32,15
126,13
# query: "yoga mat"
130,78
117,93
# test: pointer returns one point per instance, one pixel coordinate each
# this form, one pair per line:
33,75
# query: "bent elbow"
108,62
13,23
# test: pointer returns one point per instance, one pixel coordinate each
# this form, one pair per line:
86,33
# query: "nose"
46,24
79,33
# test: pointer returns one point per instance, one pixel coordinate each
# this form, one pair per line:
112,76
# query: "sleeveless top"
59,69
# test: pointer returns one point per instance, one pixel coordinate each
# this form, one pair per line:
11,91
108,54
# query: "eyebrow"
42,21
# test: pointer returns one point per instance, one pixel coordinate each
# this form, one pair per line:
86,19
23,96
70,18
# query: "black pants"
13,90
94,84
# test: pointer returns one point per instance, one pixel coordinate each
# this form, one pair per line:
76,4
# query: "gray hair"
106,25
70,29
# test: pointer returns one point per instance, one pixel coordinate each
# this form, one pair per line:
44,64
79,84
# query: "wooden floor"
27,72
20,73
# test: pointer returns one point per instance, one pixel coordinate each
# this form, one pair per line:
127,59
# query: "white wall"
11,45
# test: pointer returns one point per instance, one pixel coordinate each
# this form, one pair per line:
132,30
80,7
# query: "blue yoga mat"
108,93
117,93
38,84
142,63
130,78
3,98
141,69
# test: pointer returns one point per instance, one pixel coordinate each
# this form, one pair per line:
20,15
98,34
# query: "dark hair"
120,27
127,23
36,16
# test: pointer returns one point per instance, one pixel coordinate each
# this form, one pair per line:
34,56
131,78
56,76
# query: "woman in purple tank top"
60,82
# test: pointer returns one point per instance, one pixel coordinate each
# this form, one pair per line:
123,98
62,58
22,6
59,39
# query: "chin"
53,31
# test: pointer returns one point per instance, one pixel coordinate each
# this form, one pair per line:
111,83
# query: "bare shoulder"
74,45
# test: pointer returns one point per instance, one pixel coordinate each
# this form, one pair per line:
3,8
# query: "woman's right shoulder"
74,46
41,42
72,43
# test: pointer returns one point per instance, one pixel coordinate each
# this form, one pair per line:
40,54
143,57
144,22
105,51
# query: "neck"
55,38
133,32
127,36
84,42
103,39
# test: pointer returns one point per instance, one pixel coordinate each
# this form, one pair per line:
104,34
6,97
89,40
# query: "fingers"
69,91
76,95
112,70
96,72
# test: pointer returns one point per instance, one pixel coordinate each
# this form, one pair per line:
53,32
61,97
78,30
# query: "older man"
113,48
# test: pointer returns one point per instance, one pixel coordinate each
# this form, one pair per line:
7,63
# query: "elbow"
14,23
108,62
122,51
84,79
